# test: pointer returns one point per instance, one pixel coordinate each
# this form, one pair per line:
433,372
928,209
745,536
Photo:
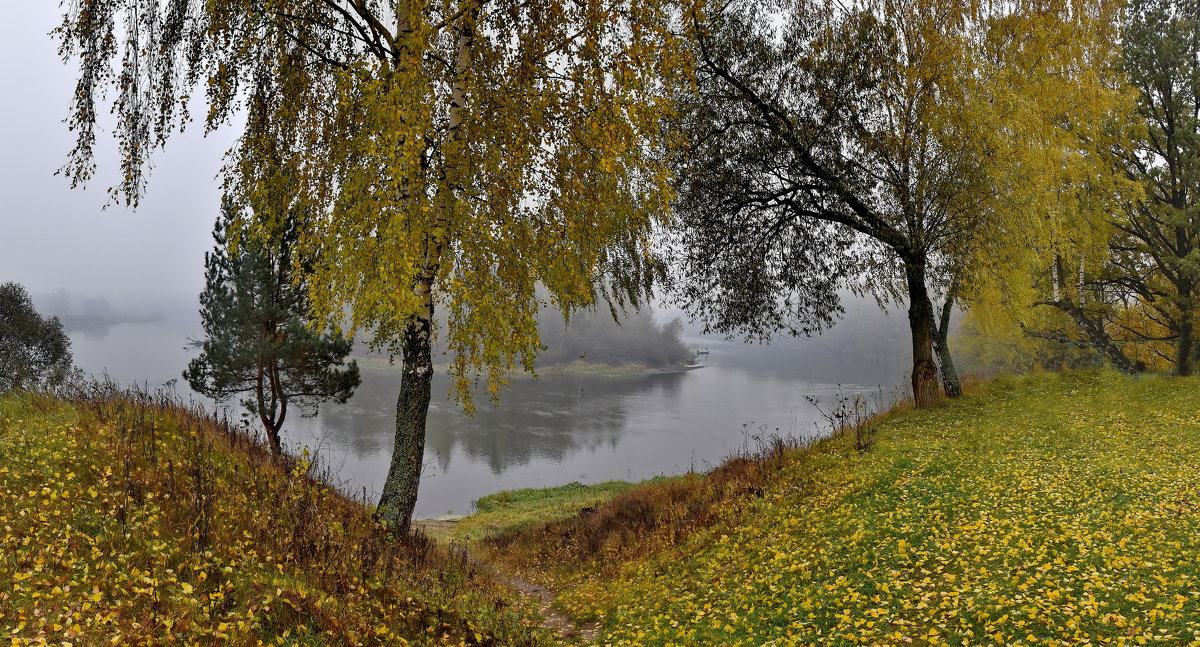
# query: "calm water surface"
544,432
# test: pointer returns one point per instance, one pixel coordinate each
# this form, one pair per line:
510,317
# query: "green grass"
133,522
1050,509
515,510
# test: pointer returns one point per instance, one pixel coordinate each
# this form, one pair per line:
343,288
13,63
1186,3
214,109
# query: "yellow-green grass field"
133,522
1052,509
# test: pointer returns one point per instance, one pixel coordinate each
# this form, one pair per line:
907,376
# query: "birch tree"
452,154
1063,118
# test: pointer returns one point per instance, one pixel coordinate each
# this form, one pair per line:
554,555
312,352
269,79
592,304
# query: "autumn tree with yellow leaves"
1062,118
876,146
1109,236
452,154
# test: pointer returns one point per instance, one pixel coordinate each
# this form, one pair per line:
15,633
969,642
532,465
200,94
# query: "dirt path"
552,619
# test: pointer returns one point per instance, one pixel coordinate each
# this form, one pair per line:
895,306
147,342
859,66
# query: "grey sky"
54,237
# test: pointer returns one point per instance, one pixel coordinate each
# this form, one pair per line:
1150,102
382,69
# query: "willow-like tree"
863,146
452,154
830,147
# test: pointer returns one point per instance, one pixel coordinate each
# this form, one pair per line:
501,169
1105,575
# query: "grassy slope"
1045,510
135,523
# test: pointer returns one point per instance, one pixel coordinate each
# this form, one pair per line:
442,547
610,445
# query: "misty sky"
53,237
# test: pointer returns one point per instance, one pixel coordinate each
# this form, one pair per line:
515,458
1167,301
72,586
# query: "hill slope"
134,522
1044,510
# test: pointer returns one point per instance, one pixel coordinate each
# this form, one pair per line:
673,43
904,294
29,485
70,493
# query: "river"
547,431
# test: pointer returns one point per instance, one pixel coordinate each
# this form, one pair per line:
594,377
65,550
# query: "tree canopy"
34,350
1112,262
865,147
449,154
1155,251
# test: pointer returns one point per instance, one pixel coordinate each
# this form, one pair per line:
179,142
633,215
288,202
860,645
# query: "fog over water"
126,283
559,428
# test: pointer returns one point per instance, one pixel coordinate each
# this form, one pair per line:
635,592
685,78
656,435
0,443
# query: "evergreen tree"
260,340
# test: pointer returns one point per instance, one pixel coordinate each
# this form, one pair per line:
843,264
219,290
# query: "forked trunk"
272,436
941,344
920,322
412,407
271,412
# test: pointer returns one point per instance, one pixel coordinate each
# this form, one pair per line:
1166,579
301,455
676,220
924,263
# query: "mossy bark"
399,497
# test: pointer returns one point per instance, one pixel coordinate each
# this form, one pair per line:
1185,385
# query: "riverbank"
129,520
1051,509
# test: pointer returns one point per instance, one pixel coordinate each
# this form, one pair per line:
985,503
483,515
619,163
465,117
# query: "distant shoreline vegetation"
591,344
89,314
579,368
73,322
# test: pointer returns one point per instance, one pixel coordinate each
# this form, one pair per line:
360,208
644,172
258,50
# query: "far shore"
575,368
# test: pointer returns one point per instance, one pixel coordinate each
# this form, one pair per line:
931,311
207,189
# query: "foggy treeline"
87,313
594,336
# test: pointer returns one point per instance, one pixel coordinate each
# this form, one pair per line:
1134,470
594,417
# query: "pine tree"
260,340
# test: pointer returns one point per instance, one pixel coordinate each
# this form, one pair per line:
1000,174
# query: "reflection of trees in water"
536,420
94,332
860,362
366,424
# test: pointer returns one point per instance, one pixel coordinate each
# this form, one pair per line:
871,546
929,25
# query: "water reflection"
567,428
544,432
547,420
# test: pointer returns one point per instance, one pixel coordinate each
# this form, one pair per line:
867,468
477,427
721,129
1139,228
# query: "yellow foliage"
129,522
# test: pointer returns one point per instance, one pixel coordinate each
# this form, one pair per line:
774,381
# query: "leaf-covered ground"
136,523
1059,510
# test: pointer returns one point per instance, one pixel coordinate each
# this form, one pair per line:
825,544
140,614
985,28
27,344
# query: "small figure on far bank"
581,355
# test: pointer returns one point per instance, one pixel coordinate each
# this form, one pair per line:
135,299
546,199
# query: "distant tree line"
88,313
594,336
